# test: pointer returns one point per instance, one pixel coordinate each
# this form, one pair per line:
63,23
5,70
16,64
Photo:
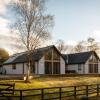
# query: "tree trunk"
29,66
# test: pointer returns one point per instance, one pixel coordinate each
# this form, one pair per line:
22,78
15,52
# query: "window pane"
56,68
14,66
95,68
56,56
90,68
48,68
93,59
48,55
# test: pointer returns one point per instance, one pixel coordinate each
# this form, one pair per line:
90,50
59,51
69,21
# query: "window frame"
79,67
14,66
53,60
93,64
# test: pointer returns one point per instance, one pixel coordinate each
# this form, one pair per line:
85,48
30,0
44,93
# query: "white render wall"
75,67
41,66
86,67
36,67
18,70
25,68
82,69
62,66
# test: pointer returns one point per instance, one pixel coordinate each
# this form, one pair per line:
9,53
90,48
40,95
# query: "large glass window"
93,64
96,68
52,62
56,68
48,55
90,68
48,68
55,55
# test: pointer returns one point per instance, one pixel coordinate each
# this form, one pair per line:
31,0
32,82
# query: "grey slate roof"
36,55
78,58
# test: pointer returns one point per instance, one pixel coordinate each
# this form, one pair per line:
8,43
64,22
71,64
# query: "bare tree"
79,47
32,25
61,46
92,45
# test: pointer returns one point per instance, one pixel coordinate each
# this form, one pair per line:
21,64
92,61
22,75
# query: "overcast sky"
75,20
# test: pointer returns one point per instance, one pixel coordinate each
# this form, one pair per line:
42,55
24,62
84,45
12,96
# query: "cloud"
8,39
71,42
95,35
3,6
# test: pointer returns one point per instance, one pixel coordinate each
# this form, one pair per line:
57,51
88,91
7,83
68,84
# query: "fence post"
13,88
74,91
60,93
42,94
21,95
97,89
87,90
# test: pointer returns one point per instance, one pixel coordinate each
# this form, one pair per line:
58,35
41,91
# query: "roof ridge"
32,50
78,53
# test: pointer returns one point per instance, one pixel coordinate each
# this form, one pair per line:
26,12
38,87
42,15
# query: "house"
82,63
46,60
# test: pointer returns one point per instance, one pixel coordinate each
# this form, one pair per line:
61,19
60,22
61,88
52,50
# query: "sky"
74,20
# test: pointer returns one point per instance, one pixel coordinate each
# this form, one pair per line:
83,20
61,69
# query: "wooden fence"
6,90
58,93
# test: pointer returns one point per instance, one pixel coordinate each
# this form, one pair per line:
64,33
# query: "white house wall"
62,66
25,68
41,66
36,67
82,69
18,70
86,68
75,67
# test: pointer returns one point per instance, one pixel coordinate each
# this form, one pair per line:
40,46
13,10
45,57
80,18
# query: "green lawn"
43,82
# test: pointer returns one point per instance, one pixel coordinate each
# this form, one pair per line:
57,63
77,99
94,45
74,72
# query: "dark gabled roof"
36,55
78,58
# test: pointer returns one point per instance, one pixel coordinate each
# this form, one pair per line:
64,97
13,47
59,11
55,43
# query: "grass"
43,82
